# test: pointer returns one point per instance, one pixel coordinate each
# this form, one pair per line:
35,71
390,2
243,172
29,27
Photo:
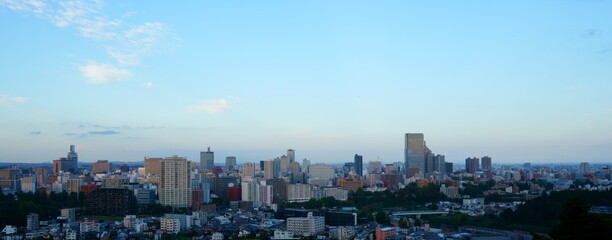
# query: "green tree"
578,223
460,220
381,218
402,223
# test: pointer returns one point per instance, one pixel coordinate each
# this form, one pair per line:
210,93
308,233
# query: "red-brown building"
88,188
234,193
383,233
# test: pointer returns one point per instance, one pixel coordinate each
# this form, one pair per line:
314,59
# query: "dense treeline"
578,223
544,210
15,208
411,197
544,214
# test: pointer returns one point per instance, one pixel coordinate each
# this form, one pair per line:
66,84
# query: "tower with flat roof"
414,152
207,160
358,160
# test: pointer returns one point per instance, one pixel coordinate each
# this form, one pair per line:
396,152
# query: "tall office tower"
279,189
101,166
448,167
248,169
439,164
472,164
269,169
291,155
175,188
152,166
284,164
207,160
584,168
374,167
67,164
358,164
485,163
414,152
73,160
305,164
429,161
230,163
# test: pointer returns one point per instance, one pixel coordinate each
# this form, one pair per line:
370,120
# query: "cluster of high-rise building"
474,164
207,188
418,158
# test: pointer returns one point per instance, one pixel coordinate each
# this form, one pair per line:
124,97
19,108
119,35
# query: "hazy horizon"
518,81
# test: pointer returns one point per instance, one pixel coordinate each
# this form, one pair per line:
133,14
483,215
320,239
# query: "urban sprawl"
423,197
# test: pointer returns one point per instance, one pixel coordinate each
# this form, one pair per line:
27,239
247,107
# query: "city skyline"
128,80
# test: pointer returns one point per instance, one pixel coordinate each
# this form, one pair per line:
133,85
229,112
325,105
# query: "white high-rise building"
248,170
306,226
266,195
298,192
321,170
269,169
175,188
250,190
337,193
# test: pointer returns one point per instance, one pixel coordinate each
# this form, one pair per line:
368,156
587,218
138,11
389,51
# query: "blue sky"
520,81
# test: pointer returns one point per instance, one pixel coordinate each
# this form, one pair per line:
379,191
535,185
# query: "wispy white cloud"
148,84
124,42
104,73
91,133
9,101
108,132
210,106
